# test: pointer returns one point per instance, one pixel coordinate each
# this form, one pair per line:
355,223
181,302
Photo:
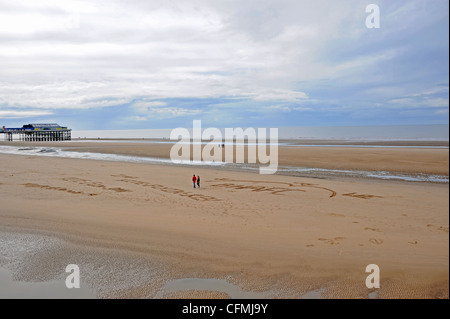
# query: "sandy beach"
142,231
319,131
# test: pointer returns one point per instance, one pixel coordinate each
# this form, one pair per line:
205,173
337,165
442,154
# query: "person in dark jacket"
198,181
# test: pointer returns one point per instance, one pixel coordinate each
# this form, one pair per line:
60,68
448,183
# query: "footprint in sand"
53,188
413,242
95,184
335,215
175,191
293,187
376,241
119,189
253,188
310,245
362,196
334,241
70,191
372,229
443,228
123,175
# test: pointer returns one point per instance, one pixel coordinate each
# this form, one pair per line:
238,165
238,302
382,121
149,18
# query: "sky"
139,64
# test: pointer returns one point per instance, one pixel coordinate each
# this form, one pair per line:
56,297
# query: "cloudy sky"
121,64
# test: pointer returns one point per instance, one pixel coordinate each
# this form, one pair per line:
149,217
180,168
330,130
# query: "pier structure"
37,132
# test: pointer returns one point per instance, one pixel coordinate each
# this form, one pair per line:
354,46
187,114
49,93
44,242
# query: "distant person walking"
194,179
198,181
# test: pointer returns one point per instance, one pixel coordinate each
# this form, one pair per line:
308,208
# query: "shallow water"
301,171
318,172
210,284
34,266
11,289
313,294
344,144
373,295
366,132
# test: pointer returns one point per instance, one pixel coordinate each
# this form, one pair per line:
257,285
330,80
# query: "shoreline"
283,142
416,160
396,164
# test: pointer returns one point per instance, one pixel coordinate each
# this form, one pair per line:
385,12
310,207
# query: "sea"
439,132
405,136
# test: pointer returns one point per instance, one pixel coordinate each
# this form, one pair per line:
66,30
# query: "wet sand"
55,289
142,231
403,160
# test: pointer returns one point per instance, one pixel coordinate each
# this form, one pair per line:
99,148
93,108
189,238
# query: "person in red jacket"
194,179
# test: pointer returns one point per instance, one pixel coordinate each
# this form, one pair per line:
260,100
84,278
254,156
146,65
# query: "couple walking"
196,179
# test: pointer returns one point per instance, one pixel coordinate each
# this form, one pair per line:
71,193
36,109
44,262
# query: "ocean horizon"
437,132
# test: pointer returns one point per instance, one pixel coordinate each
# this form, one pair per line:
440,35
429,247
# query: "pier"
37,133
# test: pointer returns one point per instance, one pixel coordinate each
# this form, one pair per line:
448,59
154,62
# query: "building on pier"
38,132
